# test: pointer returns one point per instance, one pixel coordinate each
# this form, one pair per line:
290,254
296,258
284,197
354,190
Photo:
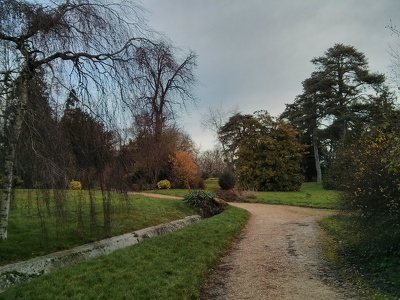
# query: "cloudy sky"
254,54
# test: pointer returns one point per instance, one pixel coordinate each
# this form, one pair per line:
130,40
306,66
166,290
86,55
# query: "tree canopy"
269,155
230,135
340,96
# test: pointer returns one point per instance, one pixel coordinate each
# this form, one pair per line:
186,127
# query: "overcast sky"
254,54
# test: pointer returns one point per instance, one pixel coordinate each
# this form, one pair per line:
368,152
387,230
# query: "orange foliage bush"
186,173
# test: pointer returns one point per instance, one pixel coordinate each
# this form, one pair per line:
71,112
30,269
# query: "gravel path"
155,195
277,256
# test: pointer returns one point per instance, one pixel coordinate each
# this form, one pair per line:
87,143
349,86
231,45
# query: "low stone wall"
13,274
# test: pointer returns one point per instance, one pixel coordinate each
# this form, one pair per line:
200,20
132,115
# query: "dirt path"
155,195
277,256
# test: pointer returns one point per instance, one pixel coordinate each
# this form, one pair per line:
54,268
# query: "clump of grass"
236,195
172,266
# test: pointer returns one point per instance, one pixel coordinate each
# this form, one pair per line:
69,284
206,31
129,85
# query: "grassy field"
311,194
36,228
172,266
211,185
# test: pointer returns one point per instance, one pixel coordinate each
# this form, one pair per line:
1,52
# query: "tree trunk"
159,124
6,195
316,155
10,150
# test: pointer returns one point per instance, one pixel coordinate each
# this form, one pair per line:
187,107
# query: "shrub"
75,185
198,184
186,172
196,198
370,184
235,195
164,184
205,201
228,195
227,181
269,155
247,194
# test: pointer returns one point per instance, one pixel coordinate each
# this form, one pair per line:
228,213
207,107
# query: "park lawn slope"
172,266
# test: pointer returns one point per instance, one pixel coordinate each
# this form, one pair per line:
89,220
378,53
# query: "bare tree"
164,82
81,44
211,162
215,118
394,53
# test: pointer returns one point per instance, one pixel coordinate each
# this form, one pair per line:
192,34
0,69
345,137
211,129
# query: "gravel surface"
155,195
277,256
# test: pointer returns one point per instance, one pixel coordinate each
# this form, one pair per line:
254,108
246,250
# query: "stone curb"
14,274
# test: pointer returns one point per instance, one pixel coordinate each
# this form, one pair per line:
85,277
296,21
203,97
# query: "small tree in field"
227,180
269,155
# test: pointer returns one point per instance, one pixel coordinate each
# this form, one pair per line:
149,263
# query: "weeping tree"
86,45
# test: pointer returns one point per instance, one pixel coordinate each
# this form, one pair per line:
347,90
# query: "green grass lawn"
171,266
211,185
34,228
311,194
